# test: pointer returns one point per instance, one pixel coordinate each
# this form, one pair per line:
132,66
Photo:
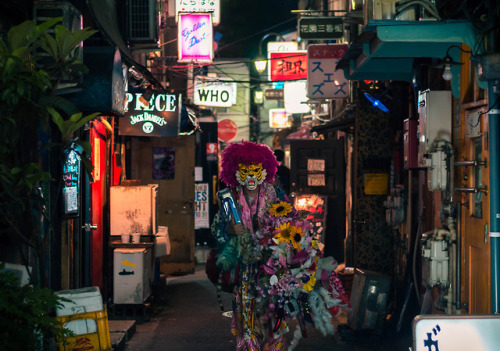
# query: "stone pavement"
186,317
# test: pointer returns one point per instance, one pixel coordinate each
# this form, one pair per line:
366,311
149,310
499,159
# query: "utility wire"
258,33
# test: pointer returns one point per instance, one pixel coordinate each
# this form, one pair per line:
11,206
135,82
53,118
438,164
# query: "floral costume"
282,272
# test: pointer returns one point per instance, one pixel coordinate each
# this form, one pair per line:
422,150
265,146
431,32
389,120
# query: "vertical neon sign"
195,37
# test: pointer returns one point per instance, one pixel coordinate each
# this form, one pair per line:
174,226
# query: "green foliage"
27,322
35,121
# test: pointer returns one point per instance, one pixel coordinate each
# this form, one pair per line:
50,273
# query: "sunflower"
280,209
284,233
296,236
309,281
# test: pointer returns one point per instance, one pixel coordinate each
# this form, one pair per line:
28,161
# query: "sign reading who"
218,92
159,117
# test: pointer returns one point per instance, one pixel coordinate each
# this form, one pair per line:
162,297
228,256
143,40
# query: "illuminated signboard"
318,28
295,96
324,80
159,118
212,6
71,181
278,118
288,65
316,205
195,37
219,92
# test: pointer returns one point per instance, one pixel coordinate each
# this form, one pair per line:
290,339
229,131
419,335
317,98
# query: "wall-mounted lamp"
448,62
258,96
261,60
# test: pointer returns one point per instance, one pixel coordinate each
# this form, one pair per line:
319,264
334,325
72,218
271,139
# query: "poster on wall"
316,206
201,215
71,182
163,163
155,114
195,41
212,152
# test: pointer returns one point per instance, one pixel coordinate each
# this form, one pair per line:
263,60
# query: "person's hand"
237,228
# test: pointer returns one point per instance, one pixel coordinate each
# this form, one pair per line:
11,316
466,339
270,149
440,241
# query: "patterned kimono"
246,325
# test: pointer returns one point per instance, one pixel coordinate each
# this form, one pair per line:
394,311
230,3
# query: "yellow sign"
128,263
376,184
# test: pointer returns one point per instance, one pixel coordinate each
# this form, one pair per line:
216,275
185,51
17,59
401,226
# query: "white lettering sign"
214,92
158,102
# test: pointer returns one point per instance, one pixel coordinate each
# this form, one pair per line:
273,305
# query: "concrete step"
120,331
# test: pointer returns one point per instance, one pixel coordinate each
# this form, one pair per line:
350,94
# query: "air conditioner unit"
143,21
71,19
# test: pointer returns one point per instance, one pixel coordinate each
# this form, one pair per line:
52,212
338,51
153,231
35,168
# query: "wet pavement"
186,317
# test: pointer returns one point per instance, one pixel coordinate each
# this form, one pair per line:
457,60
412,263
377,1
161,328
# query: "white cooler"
131,275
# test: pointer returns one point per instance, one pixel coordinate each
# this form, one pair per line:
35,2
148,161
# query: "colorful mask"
251,175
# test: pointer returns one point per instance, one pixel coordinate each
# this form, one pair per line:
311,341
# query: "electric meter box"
434,113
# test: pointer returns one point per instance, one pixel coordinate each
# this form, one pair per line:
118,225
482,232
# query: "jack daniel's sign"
159,116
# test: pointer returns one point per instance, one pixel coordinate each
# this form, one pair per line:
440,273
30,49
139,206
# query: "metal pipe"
493,146
470,163
458,303
466,190
493,125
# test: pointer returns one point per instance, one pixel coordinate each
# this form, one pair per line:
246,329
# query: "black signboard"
273,94
71,182
159,116
321,28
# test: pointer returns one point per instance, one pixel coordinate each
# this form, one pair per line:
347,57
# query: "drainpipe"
494,168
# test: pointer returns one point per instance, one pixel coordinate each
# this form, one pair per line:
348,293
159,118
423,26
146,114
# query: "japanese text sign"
324,81
195,37
288,65
212,6
321,28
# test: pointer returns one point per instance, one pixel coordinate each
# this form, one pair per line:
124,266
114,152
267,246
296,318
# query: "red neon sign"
288,65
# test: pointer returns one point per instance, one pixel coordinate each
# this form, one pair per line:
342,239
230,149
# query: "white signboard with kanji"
324,81
199,6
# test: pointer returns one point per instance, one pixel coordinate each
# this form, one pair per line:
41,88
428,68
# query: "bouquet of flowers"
295,280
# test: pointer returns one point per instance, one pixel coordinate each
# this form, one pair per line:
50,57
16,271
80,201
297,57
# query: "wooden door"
475,250
329,182
175,179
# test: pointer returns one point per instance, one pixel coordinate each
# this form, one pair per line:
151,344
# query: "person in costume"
282,274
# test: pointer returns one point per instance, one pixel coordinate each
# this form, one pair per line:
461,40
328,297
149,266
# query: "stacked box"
85,315
91,332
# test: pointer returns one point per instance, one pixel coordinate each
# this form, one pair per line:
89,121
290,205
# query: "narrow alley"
186,317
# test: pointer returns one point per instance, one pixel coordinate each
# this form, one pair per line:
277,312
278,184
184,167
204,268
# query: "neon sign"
195,37
160,117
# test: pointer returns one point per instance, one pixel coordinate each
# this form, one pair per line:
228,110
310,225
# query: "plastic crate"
81,301
91,332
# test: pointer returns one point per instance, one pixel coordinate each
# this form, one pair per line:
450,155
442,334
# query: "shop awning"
388,49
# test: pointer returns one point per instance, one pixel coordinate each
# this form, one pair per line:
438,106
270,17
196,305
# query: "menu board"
71,182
